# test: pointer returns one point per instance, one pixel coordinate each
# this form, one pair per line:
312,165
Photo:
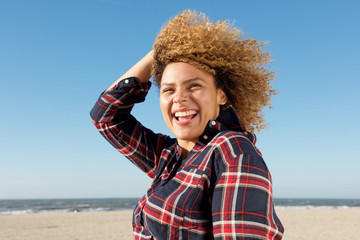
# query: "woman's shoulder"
235,139
232,146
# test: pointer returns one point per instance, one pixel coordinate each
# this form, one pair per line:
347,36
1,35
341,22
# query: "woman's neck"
186,147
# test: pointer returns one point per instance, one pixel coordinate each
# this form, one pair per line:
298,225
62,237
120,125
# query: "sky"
56,57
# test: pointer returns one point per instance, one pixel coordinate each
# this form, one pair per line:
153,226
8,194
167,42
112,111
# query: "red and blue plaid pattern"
221,190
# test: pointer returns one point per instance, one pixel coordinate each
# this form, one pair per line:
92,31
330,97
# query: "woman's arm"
242,204
141,70
111,116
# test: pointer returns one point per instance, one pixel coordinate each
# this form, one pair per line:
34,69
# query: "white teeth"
184,114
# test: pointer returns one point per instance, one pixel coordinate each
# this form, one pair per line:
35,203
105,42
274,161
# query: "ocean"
36,206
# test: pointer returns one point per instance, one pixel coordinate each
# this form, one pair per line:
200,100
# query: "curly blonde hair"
237,63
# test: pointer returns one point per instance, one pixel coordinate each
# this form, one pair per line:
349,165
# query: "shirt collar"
228,120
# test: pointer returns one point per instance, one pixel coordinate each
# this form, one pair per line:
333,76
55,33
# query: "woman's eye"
195,85
167,90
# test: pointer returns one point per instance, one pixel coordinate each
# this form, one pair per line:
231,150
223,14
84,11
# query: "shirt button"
205,137
126,81
213,123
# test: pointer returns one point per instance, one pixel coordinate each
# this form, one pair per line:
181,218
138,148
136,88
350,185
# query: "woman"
211,181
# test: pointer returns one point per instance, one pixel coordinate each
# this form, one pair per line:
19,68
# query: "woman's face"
188,100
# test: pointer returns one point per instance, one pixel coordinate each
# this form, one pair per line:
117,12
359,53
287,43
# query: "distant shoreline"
37,206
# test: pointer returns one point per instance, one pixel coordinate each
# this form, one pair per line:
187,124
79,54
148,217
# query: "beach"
315,223
320,224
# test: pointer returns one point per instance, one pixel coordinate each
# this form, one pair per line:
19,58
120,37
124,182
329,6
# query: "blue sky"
56,57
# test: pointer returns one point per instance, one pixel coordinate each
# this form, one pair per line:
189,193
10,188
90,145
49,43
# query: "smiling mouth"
185,116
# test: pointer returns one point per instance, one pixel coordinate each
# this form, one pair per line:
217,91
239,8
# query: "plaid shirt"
221,190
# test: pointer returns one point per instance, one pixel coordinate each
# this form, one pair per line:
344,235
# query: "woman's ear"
221,97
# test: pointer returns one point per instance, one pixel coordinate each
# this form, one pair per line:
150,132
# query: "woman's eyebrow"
186,82
166,84
193,80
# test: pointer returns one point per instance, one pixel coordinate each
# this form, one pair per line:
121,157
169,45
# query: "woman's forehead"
185,73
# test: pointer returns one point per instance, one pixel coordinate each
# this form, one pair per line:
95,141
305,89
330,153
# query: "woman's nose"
180,96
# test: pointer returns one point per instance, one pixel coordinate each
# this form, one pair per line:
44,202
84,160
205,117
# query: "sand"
66,226
319,224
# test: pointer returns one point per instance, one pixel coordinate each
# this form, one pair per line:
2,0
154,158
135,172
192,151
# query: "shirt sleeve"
242,205
111,116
